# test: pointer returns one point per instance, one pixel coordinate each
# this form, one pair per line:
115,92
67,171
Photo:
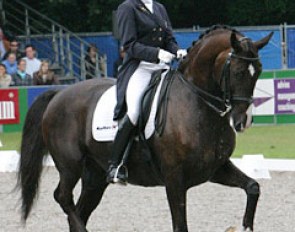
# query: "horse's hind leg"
230,175
70,172
93,187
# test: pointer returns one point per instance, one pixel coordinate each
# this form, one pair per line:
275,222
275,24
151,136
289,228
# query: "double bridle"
225,103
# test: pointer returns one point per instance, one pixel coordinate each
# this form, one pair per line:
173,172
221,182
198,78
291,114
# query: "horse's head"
227,65
244,68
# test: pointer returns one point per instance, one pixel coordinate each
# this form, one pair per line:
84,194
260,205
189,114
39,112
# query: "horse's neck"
201,70
201,74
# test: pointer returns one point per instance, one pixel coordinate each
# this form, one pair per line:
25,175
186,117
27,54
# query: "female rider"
148,42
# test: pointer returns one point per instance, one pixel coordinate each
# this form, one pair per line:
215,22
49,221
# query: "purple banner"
284,96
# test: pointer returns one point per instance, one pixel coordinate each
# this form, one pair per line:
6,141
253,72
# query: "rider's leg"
136,87
135,90
114,173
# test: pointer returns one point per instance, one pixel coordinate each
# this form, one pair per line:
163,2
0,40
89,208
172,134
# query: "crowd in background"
19,68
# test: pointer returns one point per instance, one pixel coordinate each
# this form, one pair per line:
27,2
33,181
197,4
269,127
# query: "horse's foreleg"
93,187
176,194
230,175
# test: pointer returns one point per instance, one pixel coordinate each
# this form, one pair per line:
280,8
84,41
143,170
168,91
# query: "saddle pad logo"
103,126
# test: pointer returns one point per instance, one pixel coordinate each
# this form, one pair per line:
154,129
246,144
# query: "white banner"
264,100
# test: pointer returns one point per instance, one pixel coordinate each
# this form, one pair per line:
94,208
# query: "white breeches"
136,86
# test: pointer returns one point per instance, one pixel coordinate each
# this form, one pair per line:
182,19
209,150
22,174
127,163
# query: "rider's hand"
181,53
165,56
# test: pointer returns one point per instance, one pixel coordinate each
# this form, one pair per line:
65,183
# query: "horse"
207,104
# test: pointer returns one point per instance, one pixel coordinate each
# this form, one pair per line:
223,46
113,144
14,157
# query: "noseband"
228,98
225,103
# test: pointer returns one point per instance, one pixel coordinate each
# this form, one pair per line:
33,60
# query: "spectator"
90,62
33,64
118,62
3,45
21,78
45,76
10,63
14,47
5,79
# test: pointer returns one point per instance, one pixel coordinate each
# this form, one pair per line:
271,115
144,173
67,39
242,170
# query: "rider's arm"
128,33
170,41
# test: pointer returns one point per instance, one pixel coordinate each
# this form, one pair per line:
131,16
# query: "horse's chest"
224,148
218,145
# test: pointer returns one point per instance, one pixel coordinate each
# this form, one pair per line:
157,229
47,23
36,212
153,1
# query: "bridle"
228,98
224,103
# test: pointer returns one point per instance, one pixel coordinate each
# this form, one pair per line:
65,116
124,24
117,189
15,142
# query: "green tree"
96,15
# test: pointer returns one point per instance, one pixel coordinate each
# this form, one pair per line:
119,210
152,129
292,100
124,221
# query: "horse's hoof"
235,229
231,229
248,230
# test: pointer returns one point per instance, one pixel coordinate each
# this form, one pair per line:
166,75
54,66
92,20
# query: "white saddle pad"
103,126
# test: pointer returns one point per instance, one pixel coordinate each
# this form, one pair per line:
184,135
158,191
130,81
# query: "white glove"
181,53
165,56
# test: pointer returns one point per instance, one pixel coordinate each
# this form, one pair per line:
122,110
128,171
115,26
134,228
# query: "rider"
146,36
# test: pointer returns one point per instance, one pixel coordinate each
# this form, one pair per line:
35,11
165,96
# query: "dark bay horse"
208,100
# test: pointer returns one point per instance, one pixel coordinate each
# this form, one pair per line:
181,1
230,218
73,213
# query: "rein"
225,102
204,94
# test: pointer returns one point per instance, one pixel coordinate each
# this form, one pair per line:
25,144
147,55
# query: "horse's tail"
32,152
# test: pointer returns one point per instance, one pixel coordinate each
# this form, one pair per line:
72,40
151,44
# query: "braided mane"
219,28
212,31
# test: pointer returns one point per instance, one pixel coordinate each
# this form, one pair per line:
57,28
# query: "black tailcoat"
142,34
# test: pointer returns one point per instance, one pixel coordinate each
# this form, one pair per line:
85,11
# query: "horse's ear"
235,43
261,43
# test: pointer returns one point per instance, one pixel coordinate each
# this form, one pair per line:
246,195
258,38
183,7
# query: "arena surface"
211,207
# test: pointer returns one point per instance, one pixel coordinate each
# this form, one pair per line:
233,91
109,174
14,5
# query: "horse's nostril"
239,126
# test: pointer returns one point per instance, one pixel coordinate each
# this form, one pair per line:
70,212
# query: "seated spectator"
10,63
45,76
118,62
33,64
21,78
5,79
14,47
90,62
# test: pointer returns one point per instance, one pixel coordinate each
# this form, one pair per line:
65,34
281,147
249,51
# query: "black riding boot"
117,172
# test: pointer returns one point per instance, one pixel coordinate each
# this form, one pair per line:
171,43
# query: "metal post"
286,45
27,29
55,44
97,66
69,54
61,47
105,65
82,61
282,46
